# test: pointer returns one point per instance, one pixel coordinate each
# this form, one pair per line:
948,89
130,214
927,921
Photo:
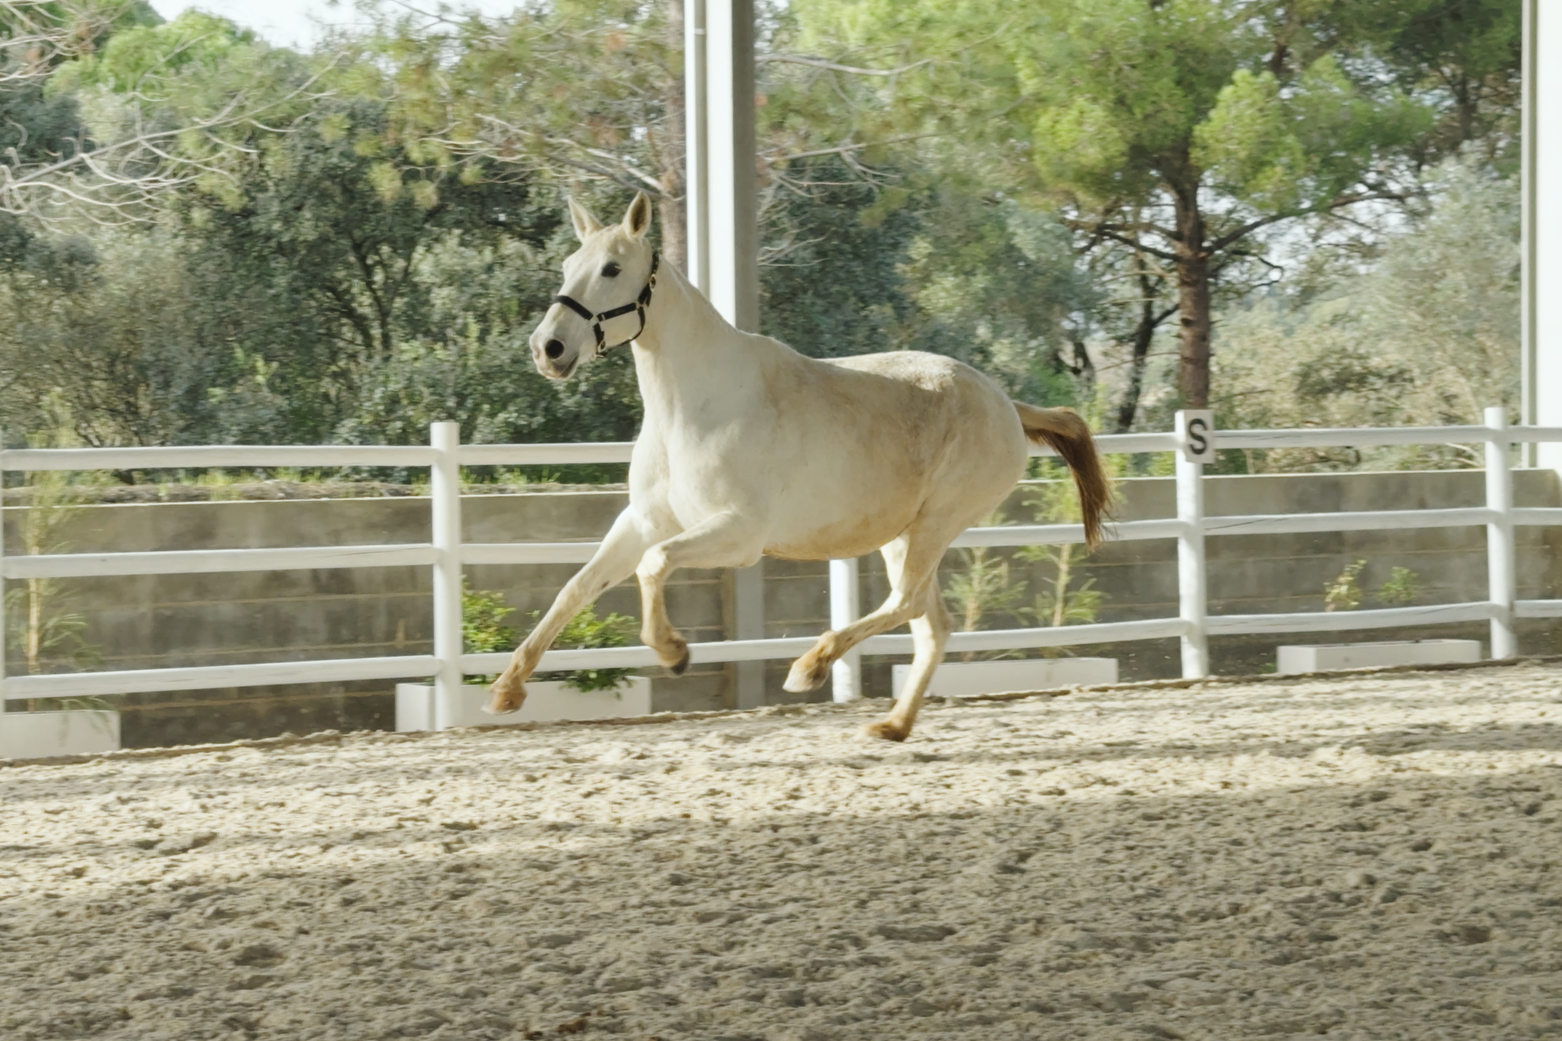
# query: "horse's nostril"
553,348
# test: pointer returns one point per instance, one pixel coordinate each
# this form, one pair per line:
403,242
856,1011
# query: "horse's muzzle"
555,370
553,359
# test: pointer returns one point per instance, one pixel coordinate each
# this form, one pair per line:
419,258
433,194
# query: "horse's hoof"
884,730
806,676
676,663
502,702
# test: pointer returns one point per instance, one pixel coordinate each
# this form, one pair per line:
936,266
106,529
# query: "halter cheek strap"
637,305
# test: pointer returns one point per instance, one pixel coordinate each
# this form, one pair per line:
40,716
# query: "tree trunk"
1192,296
675,224
1144,335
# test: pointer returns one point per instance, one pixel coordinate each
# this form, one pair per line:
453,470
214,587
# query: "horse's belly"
834,523
846,539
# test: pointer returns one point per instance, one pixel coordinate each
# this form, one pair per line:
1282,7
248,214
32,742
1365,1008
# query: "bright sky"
296,23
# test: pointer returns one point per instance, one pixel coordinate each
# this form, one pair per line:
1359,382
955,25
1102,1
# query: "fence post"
748,623
445,502
1196,447
845,606
1501,552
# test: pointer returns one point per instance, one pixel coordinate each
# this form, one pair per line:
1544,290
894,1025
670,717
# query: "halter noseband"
637,305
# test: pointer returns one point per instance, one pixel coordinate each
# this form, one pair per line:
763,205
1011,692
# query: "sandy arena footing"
1372,858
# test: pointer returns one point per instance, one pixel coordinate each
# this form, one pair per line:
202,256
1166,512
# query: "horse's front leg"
724,540
613,562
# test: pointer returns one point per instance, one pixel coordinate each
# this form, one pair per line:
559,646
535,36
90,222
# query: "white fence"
1193,444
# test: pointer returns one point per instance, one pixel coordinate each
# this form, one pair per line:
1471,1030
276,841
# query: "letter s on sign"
1196,428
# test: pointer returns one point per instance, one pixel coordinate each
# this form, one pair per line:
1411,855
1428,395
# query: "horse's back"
943,399
932,372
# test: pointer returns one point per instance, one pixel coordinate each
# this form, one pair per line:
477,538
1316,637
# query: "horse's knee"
652,567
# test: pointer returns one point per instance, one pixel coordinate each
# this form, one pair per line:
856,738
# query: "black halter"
637,305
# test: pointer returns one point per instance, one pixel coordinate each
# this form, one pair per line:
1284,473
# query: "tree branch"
844,149
820,63
1336,203
1108,231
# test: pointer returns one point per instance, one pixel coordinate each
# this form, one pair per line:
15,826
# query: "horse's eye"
611,270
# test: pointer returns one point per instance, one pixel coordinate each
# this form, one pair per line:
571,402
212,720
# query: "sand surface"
1371,858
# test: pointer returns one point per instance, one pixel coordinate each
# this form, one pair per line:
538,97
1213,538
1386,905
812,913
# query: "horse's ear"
637,220
585,223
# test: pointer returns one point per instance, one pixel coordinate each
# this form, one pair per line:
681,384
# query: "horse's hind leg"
912,562
929,632
724,540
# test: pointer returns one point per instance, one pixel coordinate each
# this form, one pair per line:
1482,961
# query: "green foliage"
1400,588
364,248
1059,601
1422,329
1343,593
982,586
587,630
482,621
344,270
39,611
144,58
859,310
1059,604
1182,130
483,631
985,584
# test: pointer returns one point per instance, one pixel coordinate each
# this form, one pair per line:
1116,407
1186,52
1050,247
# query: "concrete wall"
148,621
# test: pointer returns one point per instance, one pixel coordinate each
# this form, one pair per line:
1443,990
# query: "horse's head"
604,280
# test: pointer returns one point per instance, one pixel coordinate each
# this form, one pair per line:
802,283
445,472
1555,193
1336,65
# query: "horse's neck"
691,363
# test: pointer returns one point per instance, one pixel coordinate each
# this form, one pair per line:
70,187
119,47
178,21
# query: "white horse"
749,448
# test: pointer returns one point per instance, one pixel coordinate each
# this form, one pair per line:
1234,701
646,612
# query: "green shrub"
483,631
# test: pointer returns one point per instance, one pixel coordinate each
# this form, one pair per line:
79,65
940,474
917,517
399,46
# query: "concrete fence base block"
37,735
1326,657
965,679
417,708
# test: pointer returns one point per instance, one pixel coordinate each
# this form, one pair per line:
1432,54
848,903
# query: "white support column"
696,107
1194,431
1541,310
445,506
1501,562
845,608
723,223
732,209
748,618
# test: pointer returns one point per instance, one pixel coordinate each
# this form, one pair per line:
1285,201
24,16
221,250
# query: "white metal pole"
845,607
722,204
732,207
1529,128
1192,587
445,504
748,617
1543,223
1501,558
696,178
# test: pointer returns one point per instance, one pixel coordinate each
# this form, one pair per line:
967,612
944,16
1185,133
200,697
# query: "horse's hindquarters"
888,448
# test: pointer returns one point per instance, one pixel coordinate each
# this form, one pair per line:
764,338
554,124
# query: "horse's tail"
1062,430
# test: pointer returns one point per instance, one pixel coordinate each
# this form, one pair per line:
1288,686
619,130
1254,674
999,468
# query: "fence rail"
446,554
